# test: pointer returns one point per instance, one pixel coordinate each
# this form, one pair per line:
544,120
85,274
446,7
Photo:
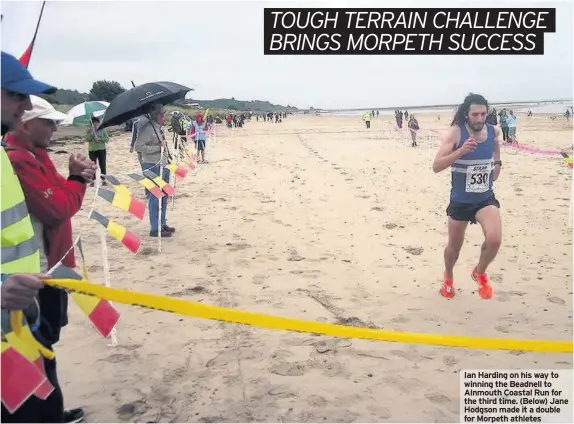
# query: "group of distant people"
368,116
412,124
399,116
233,120
507,120
272,116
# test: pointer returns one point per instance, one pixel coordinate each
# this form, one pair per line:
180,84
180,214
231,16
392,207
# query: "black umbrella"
134,102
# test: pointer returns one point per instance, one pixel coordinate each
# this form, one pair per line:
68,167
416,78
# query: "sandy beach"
318,218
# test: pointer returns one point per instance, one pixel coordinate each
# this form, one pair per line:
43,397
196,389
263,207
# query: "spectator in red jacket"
52,201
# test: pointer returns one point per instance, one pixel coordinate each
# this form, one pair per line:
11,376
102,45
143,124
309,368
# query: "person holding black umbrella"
147,101
151,144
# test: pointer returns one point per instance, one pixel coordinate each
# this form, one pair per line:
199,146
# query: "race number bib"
477,178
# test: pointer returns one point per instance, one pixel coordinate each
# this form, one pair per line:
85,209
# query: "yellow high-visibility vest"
20,250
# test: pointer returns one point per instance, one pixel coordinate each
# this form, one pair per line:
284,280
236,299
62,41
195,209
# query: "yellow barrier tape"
199,310
16,318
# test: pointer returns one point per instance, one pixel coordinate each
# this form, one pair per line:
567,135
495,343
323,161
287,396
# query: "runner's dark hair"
461,114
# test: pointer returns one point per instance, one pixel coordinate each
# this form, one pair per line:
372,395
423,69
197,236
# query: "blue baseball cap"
17,79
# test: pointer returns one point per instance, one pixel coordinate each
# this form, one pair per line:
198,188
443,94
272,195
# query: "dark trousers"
504,133
36,410
99,156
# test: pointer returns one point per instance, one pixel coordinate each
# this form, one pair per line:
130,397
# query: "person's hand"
468,146
19,290
76,163
89,173
82,166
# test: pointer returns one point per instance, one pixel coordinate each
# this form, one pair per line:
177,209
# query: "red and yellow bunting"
567,158
127,238
23,372
180,171
20,377
118,187
101,313
123,201
148,184
165,187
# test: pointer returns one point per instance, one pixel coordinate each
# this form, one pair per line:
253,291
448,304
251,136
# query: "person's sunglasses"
49,122
17,96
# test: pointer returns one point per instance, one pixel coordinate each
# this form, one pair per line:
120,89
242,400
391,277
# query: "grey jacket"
148,143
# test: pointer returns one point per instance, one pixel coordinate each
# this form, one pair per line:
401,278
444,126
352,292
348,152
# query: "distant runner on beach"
414,128
367,119
472,150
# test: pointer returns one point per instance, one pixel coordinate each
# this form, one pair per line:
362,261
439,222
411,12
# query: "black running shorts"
467,211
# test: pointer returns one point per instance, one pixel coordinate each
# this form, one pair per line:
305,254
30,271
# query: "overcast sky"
216,47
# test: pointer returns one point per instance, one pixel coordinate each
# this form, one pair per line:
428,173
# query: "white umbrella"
81,114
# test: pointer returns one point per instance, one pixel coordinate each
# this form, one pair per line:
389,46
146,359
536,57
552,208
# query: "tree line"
108,90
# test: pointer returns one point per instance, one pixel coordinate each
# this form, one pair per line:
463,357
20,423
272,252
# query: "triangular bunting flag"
125,237
101,313
123,201
167,188
20,378
148,184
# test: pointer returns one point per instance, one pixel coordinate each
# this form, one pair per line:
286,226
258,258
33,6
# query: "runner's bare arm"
447,154
496,153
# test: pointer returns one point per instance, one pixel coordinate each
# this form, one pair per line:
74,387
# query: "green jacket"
94,145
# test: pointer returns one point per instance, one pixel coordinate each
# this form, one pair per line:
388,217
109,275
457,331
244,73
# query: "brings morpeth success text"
430,31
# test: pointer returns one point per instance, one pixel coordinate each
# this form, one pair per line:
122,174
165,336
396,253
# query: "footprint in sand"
281,391
147,251
404,384
329,345
496,278
237,246
556,300
288,369
259,279
282,354
355,322
502,296
115,358
211,419
401,319
450,361
316,401
413,250
221,360
437,398
189,291
294,257
131,409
